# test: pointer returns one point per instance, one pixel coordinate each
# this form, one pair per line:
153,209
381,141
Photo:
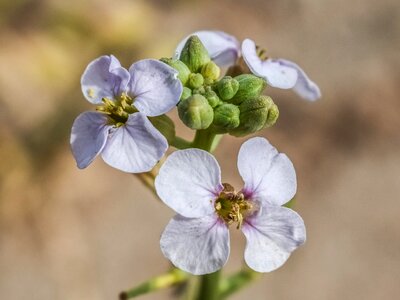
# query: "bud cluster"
233,105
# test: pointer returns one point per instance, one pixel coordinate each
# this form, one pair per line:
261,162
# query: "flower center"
262,53
231,206
117,110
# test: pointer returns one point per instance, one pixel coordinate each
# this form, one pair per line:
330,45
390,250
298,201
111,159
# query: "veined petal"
154,86
198,246
189,181
305,87
88,137
136,146
273,71
271,237
104,78
223,48
269,176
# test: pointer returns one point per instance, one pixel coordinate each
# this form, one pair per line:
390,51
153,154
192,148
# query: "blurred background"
88,234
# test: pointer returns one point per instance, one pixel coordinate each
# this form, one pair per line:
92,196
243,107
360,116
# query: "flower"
120,130
196,240
279,73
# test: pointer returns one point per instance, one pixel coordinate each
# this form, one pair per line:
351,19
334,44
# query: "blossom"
196,240
119,130
279,73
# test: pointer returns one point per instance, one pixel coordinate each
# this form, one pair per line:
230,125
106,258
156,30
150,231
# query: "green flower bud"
196,80
200,91
226,117
194,54
211,71
256,114
183,70
212,98
195,112
227,87
250,87
186,93
164,125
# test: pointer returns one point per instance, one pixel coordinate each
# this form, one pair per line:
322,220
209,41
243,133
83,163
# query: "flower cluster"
132,133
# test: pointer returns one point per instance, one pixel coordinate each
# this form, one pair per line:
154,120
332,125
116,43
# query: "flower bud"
194,54
250,87
195,112
211,71
212,98
227,87
256,114
164,125
186,93
180,67
226,117
196,80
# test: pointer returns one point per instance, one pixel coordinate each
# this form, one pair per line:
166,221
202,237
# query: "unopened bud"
211,71
226,117
256,114
195,112
212,98
227,87
180,67
194,54
186,93
250,87
196,80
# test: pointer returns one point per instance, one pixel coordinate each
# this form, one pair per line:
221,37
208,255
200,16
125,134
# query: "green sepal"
165,126
226,117
195,81
227,88
250,87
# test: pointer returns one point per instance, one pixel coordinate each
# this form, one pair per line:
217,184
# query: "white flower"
279,73
197,239
120,130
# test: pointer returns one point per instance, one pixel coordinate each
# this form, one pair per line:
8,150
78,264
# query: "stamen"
118,109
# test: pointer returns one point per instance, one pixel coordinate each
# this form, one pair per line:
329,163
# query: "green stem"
209,286
180,143
236,282
204,139
173,277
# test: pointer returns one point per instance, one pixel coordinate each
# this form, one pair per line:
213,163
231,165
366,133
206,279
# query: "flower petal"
88,137
275,73
269,176
223,48
154,86
104,78
305,87
189,181
198,246
136,146
271,237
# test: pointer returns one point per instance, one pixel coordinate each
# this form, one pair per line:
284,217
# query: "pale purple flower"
279,73
196,240
120,130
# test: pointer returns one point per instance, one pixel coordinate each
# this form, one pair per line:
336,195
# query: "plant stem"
204,139
209,286
236,282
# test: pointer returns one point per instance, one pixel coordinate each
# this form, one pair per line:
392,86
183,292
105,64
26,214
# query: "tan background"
86,235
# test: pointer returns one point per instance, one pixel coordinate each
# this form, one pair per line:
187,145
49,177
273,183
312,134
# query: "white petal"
104,78
198,246
269,176
271,237
88,137
223,48
154,86
189,181
304,87
136,146
275,73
